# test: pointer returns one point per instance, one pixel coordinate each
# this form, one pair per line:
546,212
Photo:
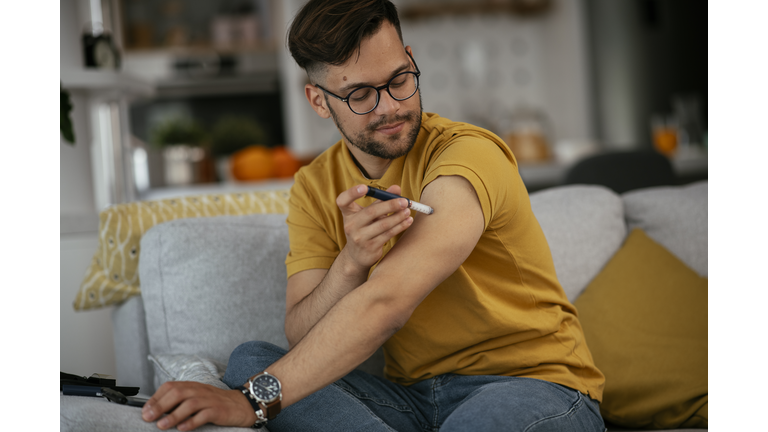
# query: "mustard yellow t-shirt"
503,311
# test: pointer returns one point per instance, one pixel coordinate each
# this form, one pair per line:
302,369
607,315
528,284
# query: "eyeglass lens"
400,87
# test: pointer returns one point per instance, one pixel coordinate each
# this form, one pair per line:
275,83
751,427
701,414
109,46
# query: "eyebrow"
351,86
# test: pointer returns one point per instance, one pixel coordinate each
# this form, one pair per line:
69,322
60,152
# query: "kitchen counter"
688,166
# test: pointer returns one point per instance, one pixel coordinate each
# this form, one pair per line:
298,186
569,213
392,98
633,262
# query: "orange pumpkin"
252,163
285,164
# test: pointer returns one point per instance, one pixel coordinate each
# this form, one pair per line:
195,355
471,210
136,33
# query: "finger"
367,223
366,216
168,404
228,408
166,401
395,189
384,208
395,229
186,409
152,408
202,417
346,200
378,231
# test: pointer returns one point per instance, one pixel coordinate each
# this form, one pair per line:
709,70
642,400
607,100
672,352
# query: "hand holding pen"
385,196
368,229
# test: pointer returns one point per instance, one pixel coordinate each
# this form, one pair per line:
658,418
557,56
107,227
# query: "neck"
371,167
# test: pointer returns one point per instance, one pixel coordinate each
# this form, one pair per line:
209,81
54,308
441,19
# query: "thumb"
346,200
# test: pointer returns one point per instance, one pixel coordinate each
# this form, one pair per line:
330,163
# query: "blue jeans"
363,402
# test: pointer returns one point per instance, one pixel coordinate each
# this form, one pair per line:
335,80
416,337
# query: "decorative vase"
182,164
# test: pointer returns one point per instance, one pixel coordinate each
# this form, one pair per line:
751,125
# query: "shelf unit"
107,95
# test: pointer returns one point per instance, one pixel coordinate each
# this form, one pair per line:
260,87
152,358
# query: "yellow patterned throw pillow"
113,275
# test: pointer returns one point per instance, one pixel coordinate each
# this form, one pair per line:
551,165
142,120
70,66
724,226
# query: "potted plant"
181,140
230,135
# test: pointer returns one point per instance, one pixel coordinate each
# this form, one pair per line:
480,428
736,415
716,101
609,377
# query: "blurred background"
164,98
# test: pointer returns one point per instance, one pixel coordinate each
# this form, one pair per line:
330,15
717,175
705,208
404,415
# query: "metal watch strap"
261,418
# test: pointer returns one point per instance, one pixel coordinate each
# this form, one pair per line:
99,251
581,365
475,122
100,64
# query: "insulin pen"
385,196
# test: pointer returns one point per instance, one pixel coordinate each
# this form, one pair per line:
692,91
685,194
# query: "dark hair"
329,32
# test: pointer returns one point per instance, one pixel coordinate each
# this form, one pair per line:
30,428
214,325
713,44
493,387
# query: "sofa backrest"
584,226
209,284
676,218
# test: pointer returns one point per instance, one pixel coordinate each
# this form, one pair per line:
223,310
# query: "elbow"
390,313
291,341
291,332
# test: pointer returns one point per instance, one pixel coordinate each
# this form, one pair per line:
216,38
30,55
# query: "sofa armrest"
132,346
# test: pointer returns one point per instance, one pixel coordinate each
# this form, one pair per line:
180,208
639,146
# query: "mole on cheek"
345,78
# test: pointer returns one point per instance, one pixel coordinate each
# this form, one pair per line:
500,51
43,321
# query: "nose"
387,105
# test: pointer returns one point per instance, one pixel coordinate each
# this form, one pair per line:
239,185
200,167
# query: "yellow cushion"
645,321
113,275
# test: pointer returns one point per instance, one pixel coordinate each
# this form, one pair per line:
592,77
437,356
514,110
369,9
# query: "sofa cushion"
93,414
676,217
210,284
584,226
645,321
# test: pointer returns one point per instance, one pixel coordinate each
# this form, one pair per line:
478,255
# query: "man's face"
390,130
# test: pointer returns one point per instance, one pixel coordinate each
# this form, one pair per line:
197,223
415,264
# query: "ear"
316,100
408,48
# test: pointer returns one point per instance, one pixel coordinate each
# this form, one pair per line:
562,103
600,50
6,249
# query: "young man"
477,332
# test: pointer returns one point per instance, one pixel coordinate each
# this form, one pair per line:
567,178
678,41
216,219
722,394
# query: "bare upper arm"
435,245
427,253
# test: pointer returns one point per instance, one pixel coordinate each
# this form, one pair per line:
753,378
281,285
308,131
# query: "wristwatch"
264,392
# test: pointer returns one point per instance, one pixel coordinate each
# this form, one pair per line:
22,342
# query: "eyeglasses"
363,100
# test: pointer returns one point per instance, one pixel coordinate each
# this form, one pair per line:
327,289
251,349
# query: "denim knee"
257,349
249,359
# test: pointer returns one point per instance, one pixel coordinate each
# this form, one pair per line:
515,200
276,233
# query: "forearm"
340,280
345,337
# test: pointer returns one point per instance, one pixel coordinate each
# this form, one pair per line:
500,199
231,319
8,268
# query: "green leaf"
177,131
233,133
66,123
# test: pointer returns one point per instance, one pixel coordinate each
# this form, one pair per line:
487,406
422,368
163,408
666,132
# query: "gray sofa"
209,284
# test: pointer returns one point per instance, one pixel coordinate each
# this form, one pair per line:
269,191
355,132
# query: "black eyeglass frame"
417,74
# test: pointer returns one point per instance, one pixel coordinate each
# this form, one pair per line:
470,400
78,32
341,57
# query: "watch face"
266,388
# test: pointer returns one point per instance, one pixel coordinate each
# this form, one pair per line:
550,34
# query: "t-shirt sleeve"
311,246
490,171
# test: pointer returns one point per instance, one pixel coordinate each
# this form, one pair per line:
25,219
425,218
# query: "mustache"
392,119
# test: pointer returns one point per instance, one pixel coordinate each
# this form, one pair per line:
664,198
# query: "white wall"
86,344
623,96
476,68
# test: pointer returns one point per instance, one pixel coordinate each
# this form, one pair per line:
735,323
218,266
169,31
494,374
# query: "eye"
361,94
398,81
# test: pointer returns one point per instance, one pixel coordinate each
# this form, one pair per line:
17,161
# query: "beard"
391,148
